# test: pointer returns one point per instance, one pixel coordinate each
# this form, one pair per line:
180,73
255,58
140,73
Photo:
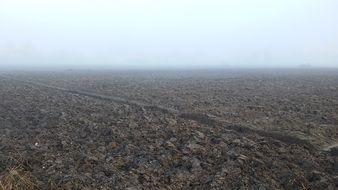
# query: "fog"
168,34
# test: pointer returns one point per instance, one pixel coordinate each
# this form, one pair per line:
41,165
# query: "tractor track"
198,117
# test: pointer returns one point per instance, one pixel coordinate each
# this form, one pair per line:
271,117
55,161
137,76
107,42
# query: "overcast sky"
169,33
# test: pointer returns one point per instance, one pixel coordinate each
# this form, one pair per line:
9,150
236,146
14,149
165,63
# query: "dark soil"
172,130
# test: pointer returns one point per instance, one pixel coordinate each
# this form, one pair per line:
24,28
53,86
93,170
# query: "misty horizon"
150,34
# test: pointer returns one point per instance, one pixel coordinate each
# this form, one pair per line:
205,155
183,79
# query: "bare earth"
231,129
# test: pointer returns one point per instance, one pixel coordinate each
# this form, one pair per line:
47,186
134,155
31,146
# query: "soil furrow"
198,117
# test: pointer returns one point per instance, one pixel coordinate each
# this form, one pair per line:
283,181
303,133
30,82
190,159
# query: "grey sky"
161,33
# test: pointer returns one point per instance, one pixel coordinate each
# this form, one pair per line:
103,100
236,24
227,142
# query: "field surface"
231,129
